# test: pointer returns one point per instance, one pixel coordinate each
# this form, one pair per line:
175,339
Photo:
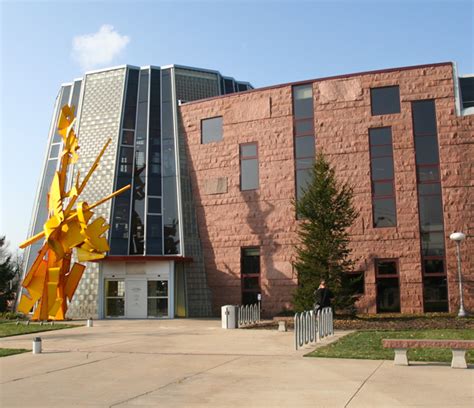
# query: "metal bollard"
37,345
90,322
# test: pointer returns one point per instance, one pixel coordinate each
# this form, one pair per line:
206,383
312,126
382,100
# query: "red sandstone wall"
234,219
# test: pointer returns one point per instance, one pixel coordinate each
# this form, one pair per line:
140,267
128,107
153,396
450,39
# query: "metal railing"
312,327
248,314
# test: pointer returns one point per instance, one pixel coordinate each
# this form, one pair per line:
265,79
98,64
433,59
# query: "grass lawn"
4,352
368,345
12,329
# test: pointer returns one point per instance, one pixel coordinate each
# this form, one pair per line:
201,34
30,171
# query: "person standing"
322,297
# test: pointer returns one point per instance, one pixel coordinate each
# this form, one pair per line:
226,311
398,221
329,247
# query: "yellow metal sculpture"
51,280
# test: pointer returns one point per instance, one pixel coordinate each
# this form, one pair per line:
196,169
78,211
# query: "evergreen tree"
8,276
326,211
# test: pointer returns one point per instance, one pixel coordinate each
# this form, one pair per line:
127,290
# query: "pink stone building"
403,138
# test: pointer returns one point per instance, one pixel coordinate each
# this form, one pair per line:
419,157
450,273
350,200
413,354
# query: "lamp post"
458,237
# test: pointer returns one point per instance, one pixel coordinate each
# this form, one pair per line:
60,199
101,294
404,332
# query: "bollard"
282,326
90,322
27,323
37,345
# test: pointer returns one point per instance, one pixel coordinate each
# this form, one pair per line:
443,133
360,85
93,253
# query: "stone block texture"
229,219
99,120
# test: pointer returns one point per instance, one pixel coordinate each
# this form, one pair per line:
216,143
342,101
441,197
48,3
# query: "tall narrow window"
303,129
248,166
250,275
435,293
388,288
119,236
383,190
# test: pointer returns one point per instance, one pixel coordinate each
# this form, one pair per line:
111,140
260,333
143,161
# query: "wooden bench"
458,348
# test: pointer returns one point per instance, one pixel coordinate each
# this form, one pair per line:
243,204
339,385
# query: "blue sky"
264,42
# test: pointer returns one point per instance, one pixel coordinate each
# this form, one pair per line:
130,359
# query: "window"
388,288
467,92
384,210
303,128
211,130
385,100
430,206
250,275
248,166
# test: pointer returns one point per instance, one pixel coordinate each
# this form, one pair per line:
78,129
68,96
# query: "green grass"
368,345
12,329
4,352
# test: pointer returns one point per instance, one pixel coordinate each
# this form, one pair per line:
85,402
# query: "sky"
46,43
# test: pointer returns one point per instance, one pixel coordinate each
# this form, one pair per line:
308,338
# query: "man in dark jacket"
322,297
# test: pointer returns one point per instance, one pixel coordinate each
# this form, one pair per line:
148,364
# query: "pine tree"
326,211
8,274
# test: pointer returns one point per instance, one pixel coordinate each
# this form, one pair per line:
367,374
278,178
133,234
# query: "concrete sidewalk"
195,363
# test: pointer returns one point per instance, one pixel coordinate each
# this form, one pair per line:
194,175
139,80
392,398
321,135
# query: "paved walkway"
195,363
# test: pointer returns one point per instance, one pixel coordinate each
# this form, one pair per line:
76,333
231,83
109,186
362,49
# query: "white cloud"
100,48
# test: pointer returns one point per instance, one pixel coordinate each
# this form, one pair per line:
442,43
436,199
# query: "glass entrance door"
158,298
114,298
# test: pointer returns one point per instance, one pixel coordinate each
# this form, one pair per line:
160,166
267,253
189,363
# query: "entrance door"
158,298
135,298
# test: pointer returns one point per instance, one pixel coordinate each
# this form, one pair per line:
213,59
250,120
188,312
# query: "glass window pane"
424,117
251,283
303,178
435,294
250,261
426,150
387,267
114,288
433,266
248,150
381,151
127,137
429,189
304,146
157,288
388,295
303,101
304,164
115,307
380,136
385,214
126,161
431,213
154,205
427,173
467,91
382,188
250,298
382,168
158,307
54,153
249,174
154,235
432,243
304,127
211,130
385,100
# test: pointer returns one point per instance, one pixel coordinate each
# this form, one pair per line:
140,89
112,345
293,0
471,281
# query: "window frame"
242,158
382,276
385,87
222,129
375,197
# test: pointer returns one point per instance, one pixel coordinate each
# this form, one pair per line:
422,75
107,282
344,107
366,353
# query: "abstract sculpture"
51,280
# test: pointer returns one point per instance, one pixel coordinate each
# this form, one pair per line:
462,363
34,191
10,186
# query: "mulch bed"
382,323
